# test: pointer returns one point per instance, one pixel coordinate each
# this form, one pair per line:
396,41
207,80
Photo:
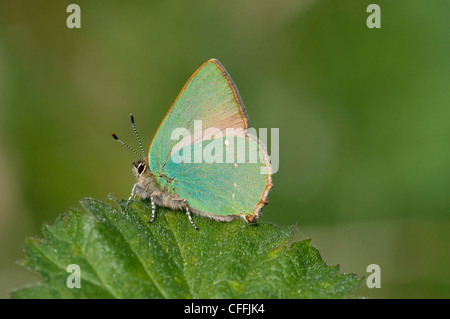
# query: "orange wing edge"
264,200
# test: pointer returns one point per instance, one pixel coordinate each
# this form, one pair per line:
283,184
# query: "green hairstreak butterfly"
235,184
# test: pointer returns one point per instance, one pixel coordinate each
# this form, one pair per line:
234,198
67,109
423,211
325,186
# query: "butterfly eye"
141,168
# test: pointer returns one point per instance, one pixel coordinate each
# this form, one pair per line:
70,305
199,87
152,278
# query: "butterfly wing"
209,95
214,189
235,184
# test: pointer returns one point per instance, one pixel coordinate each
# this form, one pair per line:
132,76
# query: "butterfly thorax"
152,184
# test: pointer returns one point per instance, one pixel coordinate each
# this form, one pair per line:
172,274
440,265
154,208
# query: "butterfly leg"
189,215
153,209
133,195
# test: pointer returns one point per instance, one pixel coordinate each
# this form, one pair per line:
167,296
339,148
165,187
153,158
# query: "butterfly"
179,173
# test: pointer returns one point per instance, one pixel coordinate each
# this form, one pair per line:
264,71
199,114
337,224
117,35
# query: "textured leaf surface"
121,255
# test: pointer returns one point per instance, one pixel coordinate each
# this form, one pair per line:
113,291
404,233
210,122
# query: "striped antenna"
137,135
126,145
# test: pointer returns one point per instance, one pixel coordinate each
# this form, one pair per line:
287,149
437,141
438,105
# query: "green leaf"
121,255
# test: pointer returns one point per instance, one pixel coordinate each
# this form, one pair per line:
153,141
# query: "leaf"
121,255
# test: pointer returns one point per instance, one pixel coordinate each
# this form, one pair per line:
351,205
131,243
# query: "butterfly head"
139,168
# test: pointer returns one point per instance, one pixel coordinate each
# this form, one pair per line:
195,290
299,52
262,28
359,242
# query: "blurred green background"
363,117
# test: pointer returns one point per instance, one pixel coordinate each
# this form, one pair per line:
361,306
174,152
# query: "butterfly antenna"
137,135
126,145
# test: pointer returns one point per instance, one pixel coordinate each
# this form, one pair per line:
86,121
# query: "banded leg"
153,209
133,195
189,215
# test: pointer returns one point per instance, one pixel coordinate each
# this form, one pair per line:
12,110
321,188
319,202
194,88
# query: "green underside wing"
208,107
